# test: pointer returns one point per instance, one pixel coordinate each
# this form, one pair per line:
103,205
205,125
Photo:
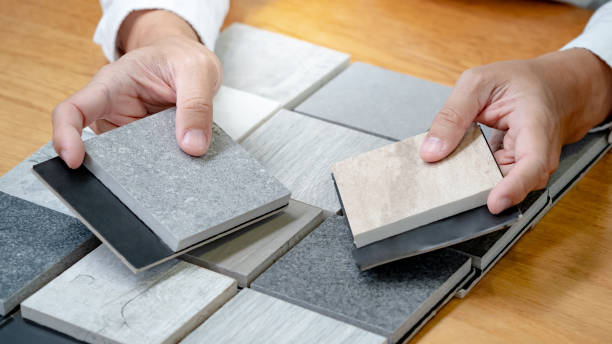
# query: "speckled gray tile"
182,199
378,101
275,66
253,317
20,182
99,300
300,150
319,273
36,244
245,254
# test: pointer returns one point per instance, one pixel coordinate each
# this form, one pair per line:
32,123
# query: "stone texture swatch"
99,300
300,150
378,101
275,66
320,274
238,112
36,244
182,199
253,317
246,253
391,190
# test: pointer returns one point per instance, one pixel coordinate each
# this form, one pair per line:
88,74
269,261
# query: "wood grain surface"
554,285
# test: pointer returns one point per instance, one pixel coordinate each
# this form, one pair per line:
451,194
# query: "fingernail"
433,145
195,139
503,204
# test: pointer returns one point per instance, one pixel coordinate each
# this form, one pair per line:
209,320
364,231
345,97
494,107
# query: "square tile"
300,150
36,244
182,199
253,317
378,101
245,254
100,300
320,274
391,190
16,330
275,66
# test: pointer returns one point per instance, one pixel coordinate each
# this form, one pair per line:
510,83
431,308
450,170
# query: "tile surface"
300,150
99,300
243,255
36,244
391,190
378,101
275,66
320,274
238,112
253,317
141,162
16,330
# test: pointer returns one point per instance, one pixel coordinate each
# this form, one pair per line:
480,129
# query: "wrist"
142,28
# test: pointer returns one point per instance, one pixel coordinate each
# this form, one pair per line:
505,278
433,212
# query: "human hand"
542,104
165,64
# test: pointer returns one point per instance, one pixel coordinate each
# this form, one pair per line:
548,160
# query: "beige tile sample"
390,190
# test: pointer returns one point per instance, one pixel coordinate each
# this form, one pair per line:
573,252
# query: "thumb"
461,108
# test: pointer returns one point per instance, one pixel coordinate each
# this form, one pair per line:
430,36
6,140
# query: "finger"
101,126
463,105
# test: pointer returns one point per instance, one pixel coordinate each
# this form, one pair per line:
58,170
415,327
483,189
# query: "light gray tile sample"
300,150
319,273
253,317
245,254
99,300
378,101
182,199
36,244
21,182
275,66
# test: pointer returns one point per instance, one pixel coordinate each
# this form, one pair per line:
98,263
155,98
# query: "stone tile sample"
275,66
253,317
20,182
141,162
238,113
378,101
245,254
485,248
320,274
99,300
391,190
299,151
36,244
16,330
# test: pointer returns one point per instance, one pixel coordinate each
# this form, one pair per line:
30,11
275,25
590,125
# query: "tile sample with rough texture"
238,113
99,300
275,66
36,245
319,273
182,199
245,254
378,101
16,330
300,150
20,182
391,190
253,317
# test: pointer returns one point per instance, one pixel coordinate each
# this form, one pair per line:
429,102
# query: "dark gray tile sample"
379,101
300,150
36,244
319,273
17,330
182,199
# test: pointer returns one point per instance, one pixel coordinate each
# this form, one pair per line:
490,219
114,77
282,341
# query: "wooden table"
555,285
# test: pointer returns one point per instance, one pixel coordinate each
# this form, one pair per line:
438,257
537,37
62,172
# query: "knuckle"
197,105
450,117
473,78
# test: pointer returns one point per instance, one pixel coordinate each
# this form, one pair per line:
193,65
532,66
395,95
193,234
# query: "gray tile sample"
245,254
253,317
36,244
16,330
275,66
378,101
319,273
300,150
99,300
182,199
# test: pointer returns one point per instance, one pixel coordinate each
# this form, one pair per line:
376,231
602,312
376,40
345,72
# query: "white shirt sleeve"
597,35
204,16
